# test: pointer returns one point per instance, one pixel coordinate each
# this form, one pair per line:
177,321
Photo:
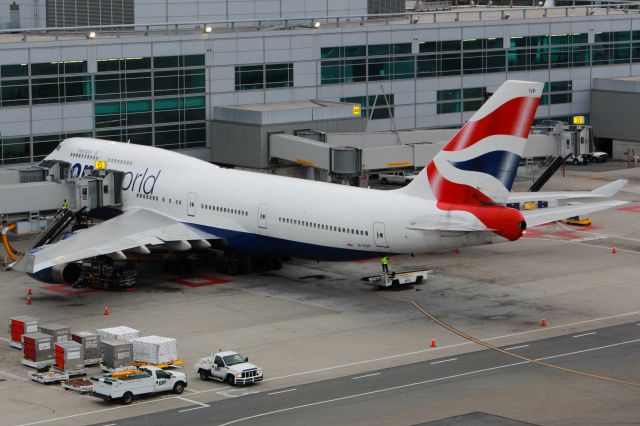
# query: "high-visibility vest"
65,205
384,260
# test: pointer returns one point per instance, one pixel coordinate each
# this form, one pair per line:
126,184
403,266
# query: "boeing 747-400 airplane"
458,200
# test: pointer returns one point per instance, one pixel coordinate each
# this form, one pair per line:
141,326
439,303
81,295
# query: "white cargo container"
118,333
155,350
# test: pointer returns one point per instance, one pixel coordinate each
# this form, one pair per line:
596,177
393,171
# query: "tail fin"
481,160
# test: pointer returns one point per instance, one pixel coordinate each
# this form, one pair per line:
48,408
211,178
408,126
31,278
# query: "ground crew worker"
385,264
65,205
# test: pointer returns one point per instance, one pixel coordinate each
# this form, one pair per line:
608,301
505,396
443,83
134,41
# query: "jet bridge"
23,200
316,155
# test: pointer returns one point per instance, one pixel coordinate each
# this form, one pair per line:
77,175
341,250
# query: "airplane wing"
133,228
608,190
539,216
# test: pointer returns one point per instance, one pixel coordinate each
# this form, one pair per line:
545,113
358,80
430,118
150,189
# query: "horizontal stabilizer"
608,190
450,225
540,216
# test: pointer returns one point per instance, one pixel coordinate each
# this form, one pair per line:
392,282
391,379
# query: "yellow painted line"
305,162
403,163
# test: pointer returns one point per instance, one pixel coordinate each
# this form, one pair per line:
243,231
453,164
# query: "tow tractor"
126,385
395,280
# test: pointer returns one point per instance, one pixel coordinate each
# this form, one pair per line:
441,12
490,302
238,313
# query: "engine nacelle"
67,273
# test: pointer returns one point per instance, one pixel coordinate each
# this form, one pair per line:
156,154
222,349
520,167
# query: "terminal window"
265,76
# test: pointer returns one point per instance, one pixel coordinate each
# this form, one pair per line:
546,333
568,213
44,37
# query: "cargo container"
20,325
37,347
69,356
90,341
59,332
117,353
154,350
122,332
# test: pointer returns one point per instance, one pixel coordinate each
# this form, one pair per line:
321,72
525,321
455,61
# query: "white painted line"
191,409
111,424
202,404
366,375
585,334
302,373
444,360
468,373
4,339
581,244
282,391
513,348
465,343
14,376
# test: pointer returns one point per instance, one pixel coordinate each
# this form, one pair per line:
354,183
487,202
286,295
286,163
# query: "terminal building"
167,73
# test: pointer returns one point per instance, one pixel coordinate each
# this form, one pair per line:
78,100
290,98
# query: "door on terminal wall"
379,234
262,219
191,204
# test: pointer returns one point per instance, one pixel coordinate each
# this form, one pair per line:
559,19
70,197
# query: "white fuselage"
264,213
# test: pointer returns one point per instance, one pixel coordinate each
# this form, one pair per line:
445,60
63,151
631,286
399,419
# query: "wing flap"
540,216
134,228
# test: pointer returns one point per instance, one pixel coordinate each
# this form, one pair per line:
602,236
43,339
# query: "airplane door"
94,194
84,196
262,219
379,234
191,204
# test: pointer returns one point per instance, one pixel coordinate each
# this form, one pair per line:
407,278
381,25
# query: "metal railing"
466,13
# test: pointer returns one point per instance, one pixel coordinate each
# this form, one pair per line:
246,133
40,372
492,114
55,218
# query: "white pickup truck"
401,178
127,385
229,367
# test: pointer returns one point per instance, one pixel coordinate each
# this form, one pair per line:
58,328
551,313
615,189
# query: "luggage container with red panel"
20,325
69,356
90,341
37,349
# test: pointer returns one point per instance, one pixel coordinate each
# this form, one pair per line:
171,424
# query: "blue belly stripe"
246,242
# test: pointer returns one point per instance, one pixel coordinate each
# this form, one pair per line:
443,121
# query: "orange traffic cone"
28,292
433,343
106,311
28,302
543,323
613,250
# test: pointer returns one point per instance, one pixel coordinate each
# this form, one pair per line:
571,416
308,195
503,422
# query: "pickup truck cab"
125,386
229,367
401,178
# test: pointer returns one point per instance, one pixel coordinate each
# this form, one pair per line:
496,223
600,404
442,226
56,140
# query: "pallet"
55,375
92,361
79,389
108,369
16,345
173,364
38,365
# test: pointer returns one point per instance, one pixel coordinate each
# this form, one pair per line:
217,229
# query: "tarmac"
313,322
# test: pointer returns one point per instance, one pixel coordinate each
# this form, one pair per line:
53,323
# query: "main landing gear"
236,264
